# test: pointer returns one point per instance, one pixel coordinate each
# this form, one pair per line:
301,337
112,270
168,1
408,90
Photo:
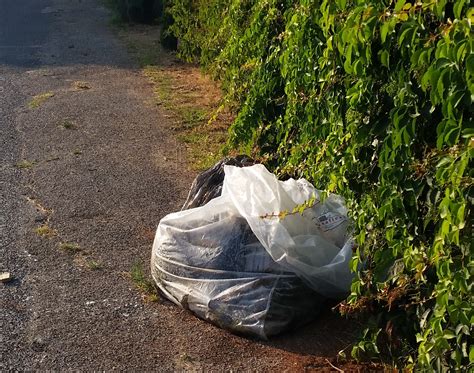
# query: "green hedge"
371,100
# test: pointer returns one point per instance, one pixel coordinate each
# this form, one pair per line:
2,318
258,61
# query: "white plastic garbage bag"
315,244
233,262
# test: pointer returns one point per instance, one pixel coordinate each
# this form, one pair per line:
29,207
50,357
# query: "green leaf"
457,9
470,64
415,58
461,51
448,334
426,79
358,68
399,5
440,83
444,161
403,16
348,66
384,29
439,7
406,34
468,132
452,136
434,79
384,58
442,63
470,15
341,4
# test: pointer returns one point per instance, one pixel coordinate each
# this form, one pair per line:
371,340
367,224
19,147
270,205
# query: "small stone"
5,277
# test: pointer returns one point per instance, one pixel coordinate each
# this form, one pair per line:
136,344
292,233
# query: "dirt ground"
89,165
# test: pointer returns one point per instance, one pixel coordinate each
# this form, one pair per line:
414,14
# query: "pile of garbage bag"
241,256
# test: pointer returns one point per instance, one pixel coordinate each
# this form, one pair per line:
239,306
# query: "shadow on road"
42,33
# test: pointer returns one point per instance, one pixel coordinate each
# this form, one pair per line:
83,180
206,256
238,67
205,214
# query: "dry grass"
191,99
69,247
25,164
45,231
93,265
84,260
38,100
80,86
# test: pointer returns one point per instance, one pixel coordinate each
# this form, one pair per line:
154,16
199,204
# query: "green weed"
143,283
45,231
69,247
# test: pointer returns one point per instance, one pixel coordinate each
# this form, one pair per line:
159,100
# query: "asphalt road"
95,162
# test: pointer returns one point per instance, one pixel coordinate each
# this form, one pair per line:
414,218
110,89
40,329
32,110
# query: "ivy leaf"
403,16
468,133
357,68
426,79
440,83
470,64
384,58
448,334
407,33
341,4
439,7
348,66
457,9
399,5
470,15
384,29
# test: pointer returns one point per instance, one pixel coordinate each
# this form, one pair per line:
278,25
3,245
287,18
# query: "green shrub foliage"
371,100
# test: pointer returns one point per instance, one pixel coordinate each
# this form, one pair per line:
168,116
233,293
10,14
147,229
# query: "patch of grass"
45,231
143,283
67,124
25,164
69,247
193,116
147,57
93,264
162,85
203,147
83,258
207,160
38,100
192,138
204,140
